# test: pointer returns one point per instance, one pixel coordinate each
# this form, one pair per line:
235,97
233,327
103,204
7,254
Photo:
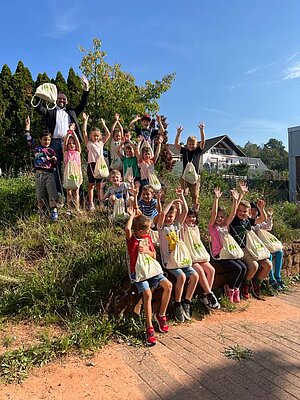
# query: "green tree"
252,150
112,90
61,84
74,87
274,155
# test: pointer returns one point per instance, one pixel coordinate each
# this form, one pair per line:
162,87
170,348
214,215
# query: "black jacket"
73,113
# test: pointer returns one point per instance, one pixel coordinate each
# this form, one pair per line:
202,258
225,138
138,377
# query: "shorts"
45,187
188,271
90,173
149,283
193,188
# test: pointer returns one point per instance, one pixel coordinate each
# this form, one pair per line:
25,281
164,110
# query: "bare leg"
76,199
147,297
209,272
91,193
165,298
266,267
179,285
193,280
202,278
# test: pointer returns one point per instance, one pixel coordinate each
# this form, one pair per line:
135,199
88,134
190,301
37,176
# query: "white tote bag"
230,250
191,238
101,168
128,177
153,181
270,241
255,247
47,92
179,257
146,267
72,178
189,174
119,208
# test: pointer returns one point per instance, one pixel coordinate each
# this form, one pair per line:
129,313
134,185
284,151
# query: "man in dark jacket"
58,122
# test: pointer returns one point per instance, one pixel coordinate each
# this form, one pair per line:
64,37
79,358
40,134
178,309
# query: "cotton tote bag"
191,238
146,267
101,168
72,178
230,250
270,241
255,247
189,174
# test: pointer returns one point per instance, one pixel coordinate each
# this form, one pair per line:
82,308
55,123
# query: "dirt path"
188,363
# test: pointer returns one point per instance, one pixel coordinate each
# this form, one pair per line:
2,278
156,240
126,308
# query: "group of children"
134,190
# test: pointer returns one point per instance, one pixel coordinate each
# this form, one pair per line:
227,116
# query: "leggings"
277,265
236,272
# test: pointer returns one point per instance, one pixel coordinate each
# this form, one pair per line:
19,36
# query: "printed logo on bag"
232,247
147,259
73,177
198,246
259,246
186,261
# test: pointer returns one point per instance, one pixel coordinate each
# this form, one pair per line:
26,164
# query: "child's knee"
147,295
194,277
166,285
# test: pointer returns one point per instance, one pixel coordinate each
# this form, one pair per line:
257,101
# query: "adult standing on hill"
58,121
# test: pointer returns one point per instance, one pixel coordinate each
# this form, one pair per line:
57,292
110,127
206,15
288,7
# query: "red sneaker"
245,292
236,295
150,337
162,323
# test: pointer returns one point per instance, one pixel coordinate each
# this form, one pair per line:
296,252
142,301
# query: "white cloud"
250,71
64,20
292,57
292,72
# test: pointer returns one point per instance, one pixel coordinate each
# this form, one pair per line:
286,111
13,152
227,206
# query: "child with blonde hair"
117,138
94,144
191,154
146,161
72,168
168,226
139,243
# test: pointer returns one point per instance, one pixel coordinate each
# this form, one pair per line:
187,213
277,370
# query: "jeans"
56,144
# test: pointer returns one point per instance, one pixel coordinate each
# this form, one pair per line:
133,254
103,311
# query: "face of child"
115,179
146,155
129,152
127,136
71,144
45,141
96,136
145,123
170,217
143,232
191,219
254,212
117,136
191,145
242,212
146,196
220,219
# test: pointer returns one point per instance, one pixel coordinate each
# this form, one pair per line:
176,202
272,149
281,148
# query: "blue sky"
237,62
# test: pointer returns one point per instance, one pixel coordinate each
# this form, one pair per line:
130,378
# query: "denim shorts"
188,271
149,283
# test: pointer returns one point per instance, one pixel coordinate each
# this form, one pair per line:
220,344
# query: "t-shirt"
133,249
145,168
147,133
216,233
133,163
119,191
191,156
42,155
148,209
95,149
238,229
168,236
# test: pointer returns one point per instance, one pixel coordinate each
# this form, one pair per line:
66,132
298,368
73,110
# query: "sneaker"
245,292
236,295
150,337
212,301
91,207
186,311
162,323
178,312
275,285
229,293
54,215
255,288
280,283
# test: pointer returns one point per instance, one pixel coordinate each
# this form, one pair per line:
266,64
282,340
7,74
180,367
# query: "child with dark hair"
44,164
146,132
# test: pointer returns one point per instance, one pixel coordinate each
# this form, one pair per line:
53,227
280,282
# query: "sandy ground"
106,375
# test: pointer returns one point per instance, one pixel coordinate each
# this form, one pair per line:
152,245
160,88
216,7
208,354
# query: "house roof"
209,143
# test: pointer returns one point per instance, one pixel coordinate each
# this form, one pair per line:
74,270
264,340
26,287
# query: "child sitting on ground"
44,164
139,243
191,154
150,203
218,228
191,236
72,167
94,144
168,226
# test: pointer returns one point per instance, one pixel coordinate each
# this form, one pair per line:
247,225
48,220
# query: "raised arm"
85,118
215,206
132,123
107,132
121,128
128,226
202,135
137,149
115,123
263,215
118,149
163,213
161,127
158,149
184,208
177,138
158,196
234,206
77,143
